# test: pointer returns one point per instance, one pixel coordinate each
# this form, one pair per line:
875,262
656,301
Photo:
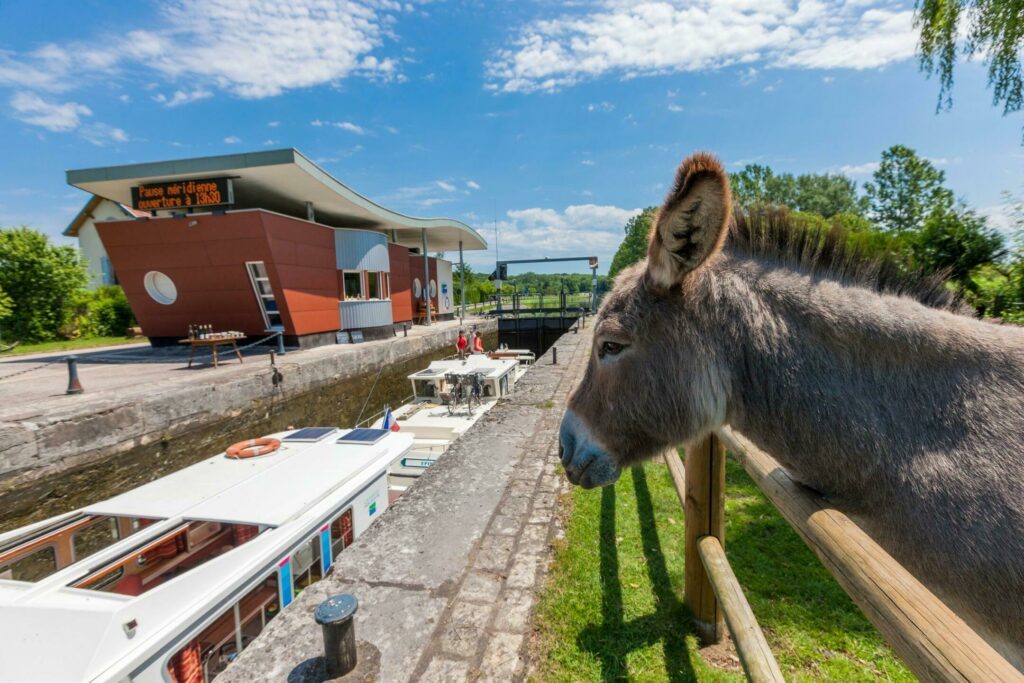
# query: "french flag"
389,421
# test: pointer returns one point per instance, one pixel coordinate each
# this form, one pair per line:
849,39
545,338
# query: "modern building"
262,241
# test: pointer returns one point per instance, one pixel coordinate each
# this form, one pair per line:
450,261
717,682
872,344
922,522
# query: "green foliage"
6,305
906,189
634,247
480,289
42,280
957,241
994,29
826,194
108,313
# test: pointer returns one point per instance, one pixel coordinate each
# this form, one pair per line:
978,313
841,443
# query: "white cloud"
601,106
253,49
59,118
675,108
270,142
578,230
630,39
472,184
587,162
273,124
125,98
101,134
351,127
445,185
232,140
181,97
859,169
999,218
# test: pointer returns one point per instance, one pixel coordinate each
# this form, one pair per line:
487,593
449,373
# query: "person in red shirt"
461,343
478,343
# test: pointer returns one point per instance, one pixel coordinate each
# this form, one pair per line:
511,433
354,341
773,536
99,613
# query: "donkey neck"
846,387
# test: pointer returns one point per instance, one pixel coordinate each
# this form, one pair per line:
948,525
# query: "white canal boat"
171,580
440,412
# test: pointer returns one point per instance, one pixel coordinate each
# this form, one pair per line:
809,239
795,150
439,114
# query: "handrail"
930,638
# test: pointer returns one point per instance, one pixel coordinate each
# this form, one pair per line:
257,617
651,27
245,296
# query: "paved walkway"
448,578
44,377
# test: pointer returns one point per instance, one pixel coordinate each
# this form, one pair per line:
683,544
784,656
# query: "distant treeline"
905,211
480,288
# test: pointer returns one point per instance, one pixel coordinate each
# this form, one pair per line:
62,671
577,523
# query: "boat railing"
380,413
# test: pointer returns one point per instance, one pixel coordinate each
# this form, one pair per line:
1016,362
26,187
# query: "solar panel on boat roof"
310,434
363,436
428,372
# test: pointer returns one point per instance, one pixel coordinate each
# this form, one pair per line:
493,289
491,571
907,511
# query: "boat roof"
85,628
490,368
267,490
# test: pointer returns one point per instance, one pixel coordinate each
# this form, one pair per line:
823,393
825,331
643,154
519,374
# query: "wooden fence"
933,641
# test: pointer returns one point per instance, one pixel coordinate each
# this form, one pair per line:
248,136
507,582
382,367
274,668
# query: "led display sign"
183,194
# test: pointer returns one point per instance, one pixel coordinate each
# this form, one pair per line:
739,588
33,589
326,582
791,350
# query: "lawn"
612,606
69,345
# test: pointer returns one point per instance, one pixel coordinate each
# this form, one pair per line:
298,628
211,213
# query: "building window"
160,288
417,289
377,285
433,289
264,294
352,285
108,277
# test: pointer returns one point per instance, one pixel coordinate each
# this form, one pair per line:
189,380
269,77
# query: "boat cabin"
171,580
496,375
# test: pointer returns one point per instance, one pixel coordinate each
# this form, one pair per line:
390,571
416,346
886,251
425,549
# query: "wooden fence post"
705,516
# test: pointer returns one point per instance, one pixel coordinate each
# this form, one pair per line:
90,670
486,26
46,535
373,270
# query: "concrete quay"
139,396
448,577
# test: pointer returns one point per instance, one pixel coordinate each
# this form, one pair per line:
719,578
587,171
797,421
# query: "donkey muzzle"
586,462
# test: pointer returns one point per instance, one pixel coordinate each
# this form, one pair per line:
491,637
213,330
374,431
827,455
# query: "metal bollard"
405,329
335,616
74,386
280,344
554,355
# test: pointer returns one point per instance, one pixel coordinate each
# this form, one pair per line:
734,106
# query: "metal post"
593,290
462,284
554,355
335,616
74,386
426,273
280,343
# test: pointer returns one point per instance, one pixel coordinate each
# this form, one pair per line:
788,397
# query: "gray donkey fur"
909,417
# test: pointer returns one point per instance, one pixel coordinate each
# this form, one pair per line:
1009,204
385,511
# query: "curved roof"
283,180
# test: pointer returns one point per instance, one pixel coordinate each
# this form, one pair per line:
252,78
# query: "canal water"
336,405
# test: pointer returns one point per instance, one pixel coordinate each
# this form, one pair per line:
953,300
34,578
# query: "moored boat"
171,580
449,397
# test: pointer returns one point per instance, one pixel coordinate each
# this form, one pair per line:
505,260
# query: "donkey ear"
692,224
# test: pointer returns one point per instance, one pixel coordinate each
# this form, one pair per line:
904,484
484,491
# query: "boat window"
95,537
353,285
168,556
206,656
306,566
32,567
341,533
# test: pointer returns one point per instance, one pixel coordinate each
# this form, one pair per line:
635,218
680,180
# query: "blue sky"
555,121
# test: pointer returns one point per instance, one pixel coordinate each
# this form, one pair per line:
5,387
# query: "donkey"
909,416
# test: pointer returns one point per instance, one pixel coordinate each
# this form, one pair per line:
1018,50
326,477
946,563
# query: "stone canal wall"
447,578
61,452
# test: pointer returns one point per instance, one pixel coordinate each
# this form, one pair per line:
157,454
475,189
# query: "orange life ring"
250,448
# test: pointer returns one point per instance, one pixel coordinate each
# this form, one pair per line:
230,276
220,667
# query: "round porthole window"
160,288
417,288
433,288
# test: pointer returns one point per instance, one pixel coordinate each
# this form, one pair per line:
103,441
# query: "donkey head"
654,379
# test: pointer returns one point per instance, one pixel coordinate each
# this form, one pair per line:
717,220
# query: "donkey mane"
773,234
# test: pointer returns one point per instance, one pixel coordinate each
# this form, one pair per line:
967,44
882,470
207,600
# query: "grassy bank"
70,345
612,607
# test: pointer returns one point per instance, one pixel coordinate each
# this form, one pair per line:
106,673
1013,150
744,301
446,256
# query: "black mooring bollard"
280,344
554,355
405,329
74,386
335,616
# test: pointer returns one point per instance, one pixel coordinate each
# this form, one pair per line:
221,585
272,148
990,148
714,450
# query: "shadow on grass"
613,639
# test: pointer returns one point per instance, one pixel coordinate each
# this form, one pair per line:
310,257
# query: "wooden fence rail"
930,638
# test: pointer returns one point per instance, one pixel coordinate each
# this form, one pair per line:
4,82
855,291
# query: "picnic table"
212,342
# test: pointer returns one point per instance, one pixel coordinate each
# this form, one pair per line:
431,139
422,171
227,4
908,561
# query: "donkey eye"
611,348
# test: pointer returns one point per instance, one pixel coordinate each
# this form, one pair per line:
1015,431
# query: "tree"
958,241
906,190
634,247
826,194
6,305
994,29
41,279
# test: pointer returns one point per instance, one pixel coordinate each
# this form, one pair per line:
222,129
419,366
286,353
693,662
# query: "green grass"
612,607
69,345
